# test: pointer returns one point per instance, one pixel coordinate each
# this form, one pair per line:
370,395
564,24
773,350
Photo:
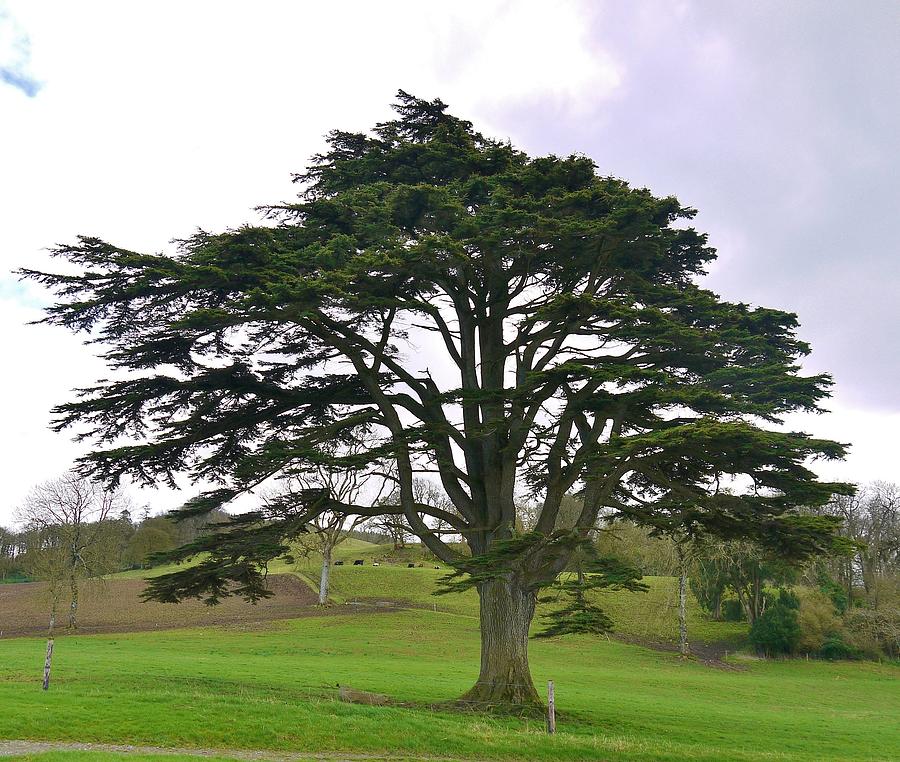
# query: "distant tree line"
836,605
71,523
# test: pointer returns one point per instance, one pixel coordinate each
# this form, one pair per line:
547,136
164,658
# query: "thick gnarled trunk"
506,613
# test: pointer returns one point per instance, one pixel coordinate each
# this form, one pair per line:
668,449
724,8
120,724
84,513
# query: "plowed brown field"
115,606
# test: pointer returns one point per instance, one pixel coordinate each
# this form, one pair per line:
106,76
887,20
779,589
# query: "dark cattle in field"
358,562
338,563
410,566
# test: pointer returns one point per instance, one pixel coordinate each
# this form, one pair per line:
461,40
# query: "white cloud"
869,434
532,52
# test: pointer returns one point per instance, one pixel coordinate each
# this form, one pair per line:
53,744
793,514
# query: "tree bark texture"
506,610
73,608
48,659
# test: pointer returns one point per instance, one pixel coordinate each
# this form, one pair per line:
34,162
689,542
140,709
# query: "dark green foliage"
836,593
11,569
578,617
708,581
235,557
836,648
589,572
787,599
577,356
504,557
743,568
777,631
732,611
579,614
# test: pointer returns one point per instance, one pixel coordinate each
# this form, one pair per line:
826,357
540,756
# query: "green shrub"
836,593
788,599
835,647
777,631
732,611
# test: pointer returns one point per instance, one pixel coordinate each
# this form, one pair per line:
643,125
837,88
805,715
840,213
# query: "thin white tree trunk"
73,588
48,659
323,579
683,647
73,607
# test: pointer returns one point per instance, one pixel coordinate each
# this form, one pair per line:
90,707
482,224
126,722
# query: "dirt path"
710,654
19,748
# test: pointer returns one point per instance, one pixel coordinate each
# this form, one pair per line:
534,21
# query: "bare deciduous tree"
871,517
65,518
426,494
331,527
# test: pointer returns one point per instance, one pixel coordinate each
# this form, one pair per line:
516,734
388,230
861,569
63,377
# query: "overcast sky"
139,122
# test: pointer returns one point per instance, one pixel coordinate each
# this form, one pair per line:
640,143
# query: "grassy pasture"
349,549
272,686
649,617
115,606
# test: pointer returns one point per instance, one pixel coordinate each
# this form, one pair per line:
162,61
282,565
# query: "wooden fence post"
47,661
551,708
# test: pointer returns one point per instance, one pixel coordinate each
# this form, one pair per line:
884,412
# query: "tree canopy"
440,302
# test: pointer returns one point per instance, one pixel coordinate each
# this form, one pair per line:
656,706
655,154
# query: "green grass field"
647,616
650,616
273,685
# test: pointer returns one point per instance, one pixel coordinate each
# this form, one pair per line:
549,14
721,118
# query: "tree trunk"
323,579
683,648
73,606
758,600
506,613
849,572
48,659
745,605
